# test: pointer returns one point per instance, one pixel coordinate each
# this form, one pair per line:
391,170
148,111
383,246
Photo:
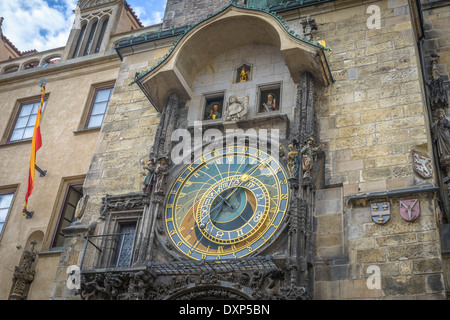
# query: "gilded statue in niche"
243,76
293,162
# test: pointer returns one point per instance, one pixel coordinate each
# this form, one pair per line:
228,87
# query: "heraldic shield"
410,209
381,212
422,165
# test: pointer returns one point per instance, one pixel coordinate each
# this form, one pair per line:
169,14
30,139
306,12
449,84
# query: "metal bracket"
28,214
42,172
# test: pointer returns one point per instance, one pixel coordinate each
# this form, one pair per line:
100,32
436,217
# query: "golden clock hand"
244,178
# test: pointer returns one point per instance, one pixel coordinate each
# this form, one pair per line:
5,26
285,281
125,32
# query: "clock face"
227,204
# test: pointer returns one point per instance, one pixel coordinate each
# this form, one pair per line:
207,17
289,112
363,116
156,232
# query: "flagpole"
36,143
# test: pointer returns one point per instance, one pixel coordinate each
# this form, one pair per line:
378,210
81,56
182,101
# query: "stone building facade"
365,79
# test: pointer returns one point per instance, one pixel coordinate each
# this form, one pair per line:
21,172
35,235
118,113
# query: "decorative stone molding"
438,93
148,283
135,201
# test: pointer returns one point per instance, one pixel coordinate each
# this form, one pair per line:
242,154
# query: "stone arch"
231,28
222,291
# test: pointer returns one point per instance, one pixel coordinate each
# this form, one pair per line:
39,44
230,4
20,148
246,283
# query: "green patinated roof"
280,5
269,6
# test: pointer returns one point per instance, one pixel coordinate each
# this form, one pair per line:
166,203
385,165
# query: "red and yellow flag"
36,143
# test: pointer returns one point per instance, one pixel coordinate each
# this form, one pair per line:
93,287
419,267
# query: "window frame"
277,86
210,98
6,139
92,103
62,210
7,191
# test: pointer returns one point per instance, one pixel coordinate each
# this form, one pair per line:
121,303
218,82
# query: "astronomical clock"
227,204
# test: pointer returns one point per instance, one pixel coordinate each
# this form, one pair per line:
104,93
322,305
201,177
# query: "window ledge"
13,143
87,130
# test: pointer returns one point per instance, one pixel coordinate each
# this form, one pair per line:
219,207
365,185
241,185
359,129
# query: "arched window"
11,69
101,35
53,60
90,39
31,65
80,39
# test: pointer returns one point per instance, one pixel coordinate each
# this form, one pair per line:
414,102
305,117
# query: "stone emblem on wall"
410,209
237,108
422,165
381,212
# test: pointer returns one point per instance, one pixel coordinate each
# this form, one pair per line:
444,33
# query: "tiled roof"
9,43
134,14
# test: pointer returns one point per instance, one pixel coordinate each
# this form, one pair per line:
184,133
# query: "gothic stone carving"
24,273
237,108
144,285
123,202
438,93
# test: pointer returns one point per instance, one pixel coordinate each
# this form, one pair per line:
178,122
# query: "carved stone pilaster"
303,125
167,124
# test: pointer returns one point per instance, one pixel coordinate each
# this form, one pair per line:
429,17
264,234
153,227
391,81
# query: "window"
6,199
98,107
100,37
11,69
25,121
269,98
213,107
125,244
73,194
31,65
80,38
90,39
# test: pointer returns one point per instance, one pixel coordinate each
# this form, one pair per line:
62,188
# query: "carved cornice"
126,202
144,284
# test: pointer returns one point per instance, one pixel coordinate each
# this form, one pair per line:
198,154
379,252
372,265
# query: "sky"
46,24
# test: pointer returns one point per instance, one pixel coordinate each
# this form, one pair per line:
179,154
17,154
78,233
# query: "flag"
36,143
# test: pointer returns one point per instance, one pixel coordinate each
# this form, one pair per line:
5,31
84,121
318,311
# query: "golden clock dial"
227,204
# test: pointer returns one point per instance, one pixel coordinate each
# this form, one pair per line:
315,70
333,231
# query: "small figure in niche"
149,179
308,156
161,173
270,104
292,161
243,75
214,113
441,133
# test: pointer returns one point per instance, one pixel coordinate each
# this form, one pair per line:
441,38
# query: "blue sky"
45,24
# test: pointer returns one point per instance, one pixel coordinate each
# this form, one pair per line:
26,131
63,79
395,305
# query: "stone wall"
436,15
125,139
370,120
437,38
182,12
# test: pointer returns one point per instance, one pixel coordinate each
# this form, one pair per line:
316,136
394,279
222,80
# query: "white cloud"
155,17
33,24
